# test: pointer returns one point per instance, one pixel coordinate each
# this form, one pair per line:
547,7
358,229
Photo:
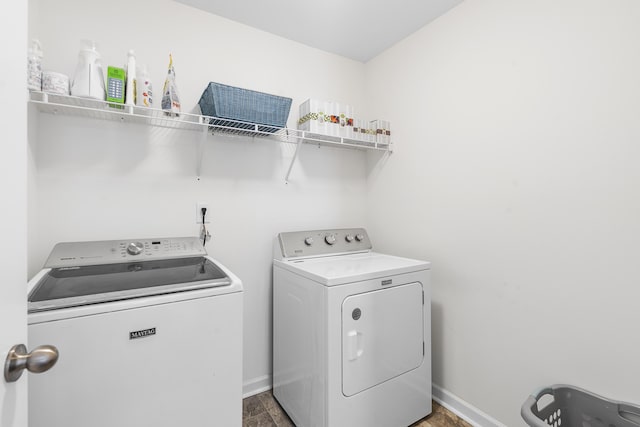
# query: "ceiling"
356,29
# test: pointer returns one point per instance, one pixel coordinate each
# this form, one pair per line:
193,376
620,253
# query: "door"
13,193
382,336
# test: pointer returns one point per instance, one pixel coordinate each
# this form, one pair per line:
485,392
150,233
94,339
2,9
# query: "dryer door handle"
354,340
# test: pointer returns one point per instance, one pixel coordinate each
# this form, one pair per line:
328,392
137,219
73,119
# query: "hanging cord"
204,228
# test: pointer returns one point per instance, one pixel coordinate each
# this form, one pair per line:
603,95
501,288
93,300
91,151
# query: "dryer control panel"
321,242
75,254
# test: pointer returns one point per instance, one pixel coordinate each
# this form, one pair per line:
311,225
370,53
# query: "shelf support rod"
201,142
293,159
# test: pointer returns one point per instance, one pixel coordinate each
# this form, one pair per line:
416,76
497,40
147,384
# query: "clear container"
34,66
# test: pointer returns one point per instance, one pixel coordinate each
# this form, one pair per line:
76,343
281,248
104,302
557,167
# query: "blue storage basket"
244,105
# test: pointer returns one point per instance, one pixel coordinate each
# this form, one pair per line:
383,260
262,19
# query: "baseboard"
464,410
256,385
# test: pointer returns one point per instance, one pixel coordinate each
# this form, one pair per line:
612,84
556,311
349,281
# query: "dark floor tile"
251,406
274,409
442,417
267,399
260,420
283,420
269,402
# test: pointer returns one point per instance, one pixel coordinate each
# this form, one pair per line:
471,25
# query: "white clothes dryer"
149,334
351,332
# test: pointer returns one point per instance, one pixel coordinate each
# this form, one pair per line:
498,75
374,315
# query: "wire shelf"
103,110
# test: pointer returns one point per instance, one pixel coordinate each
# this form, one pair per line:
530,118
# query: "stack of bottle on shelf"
130,85
334,119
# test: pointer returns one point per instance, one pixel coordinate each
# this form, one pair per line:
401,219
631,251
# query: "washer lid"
81,285
349,268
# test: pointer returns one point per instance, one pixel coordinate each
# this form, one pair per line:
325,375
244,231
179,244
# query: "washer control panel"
322,242
75,254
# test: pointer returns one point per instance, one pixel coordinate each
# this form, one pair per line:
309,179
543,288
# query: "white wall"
93,180
516,173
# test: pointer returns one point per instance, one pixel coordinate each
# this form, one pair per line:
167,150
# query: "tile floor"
262,410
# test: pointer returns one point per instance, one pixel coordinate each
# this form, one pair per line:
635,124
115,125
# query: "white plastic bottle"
88,81
130,90
145,90
34,68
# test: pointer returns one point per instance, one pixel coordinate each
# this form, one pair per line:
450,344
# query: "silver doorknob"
41,359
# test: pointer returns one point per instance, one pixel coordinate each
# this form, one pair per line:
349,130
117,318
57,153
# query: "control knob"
308,241
349,238
359,237
135,248
330,239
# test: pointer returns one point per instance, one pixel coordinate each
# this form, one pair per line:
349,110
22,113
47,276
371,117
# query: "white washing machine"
149,333
351,332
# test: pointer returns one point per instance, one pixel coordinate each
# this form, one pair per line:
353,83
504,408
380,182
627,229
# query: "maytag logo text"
142,333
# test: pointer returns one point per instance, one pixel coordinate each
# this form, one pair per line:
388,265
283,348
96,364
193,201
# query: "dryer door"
382,336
